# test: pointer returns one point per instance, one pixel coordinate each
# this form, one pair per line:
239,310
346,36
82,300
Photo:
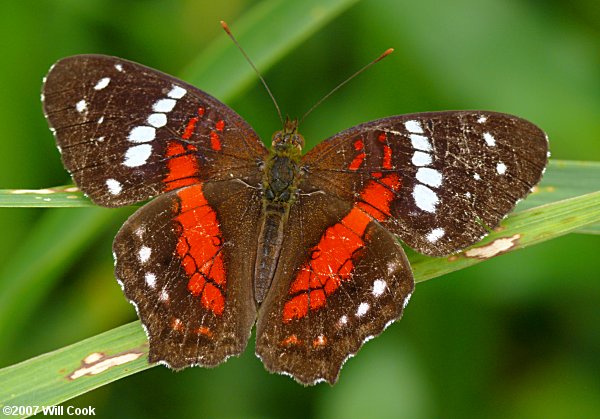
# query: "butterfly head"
288,139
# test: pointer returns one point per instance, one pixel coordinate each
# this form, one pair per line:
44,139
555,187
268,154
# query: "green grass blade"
566,179
57,376
67,196
45,380
26,279
521,229
289,23
563,179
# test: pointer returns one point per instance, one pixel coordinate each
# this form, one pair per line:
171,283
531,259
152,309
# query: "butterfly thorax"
282,173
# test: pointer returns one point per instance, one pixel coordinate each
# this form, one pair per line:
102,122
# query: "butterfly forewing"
453,175
127,132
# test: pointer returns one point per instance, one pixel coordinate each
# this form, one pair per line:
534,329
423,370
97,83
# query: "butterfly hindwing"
453,175
127,132
186,264
340,280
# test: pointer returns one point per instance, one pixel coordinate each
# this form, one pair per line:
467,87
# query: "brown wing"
127,132
185,261
460,172
341,279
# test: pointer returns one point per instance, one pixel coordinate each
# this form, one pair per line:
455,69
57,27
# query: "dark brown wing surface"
127,132
460,172
185,260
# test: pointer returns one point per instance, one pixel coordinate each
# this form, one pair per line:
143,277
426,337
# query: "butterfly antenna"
381,57
226,28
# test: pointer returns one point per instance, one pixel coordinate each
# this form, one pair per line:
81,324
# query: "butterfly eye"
277,139
298,141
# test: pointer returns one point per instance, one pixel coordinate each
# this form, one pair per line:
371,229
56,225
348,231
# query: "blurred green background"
517,336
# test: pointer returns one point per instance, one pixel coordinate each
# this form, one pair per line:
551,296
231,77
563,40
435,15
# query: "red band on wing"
190,127
182,166
379,194
387,157
199,247
331,263
332,259
387,151
359,145
215,141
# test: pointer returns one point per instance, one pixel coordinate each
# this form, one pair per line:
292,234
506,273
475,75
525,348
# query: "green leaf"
45,380
566,179
68,372
57,197
261,41
519,230
25,281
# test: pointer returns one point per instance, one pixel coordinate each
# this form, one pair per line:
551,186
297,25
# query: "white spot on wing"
425,198
102,83
421,159
435,234
489,139
420,142
141,134
343,320
114,186
100,120
429,177
413,126
392,267
177,92
406,300
81,106
482,119
137,156
378,287
119,67
164,105
476,176
362,309
163,296
151,282
501,168
157,120
144,254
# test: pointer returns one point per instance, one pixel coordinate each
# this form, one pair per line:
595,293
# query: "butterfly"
303,246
